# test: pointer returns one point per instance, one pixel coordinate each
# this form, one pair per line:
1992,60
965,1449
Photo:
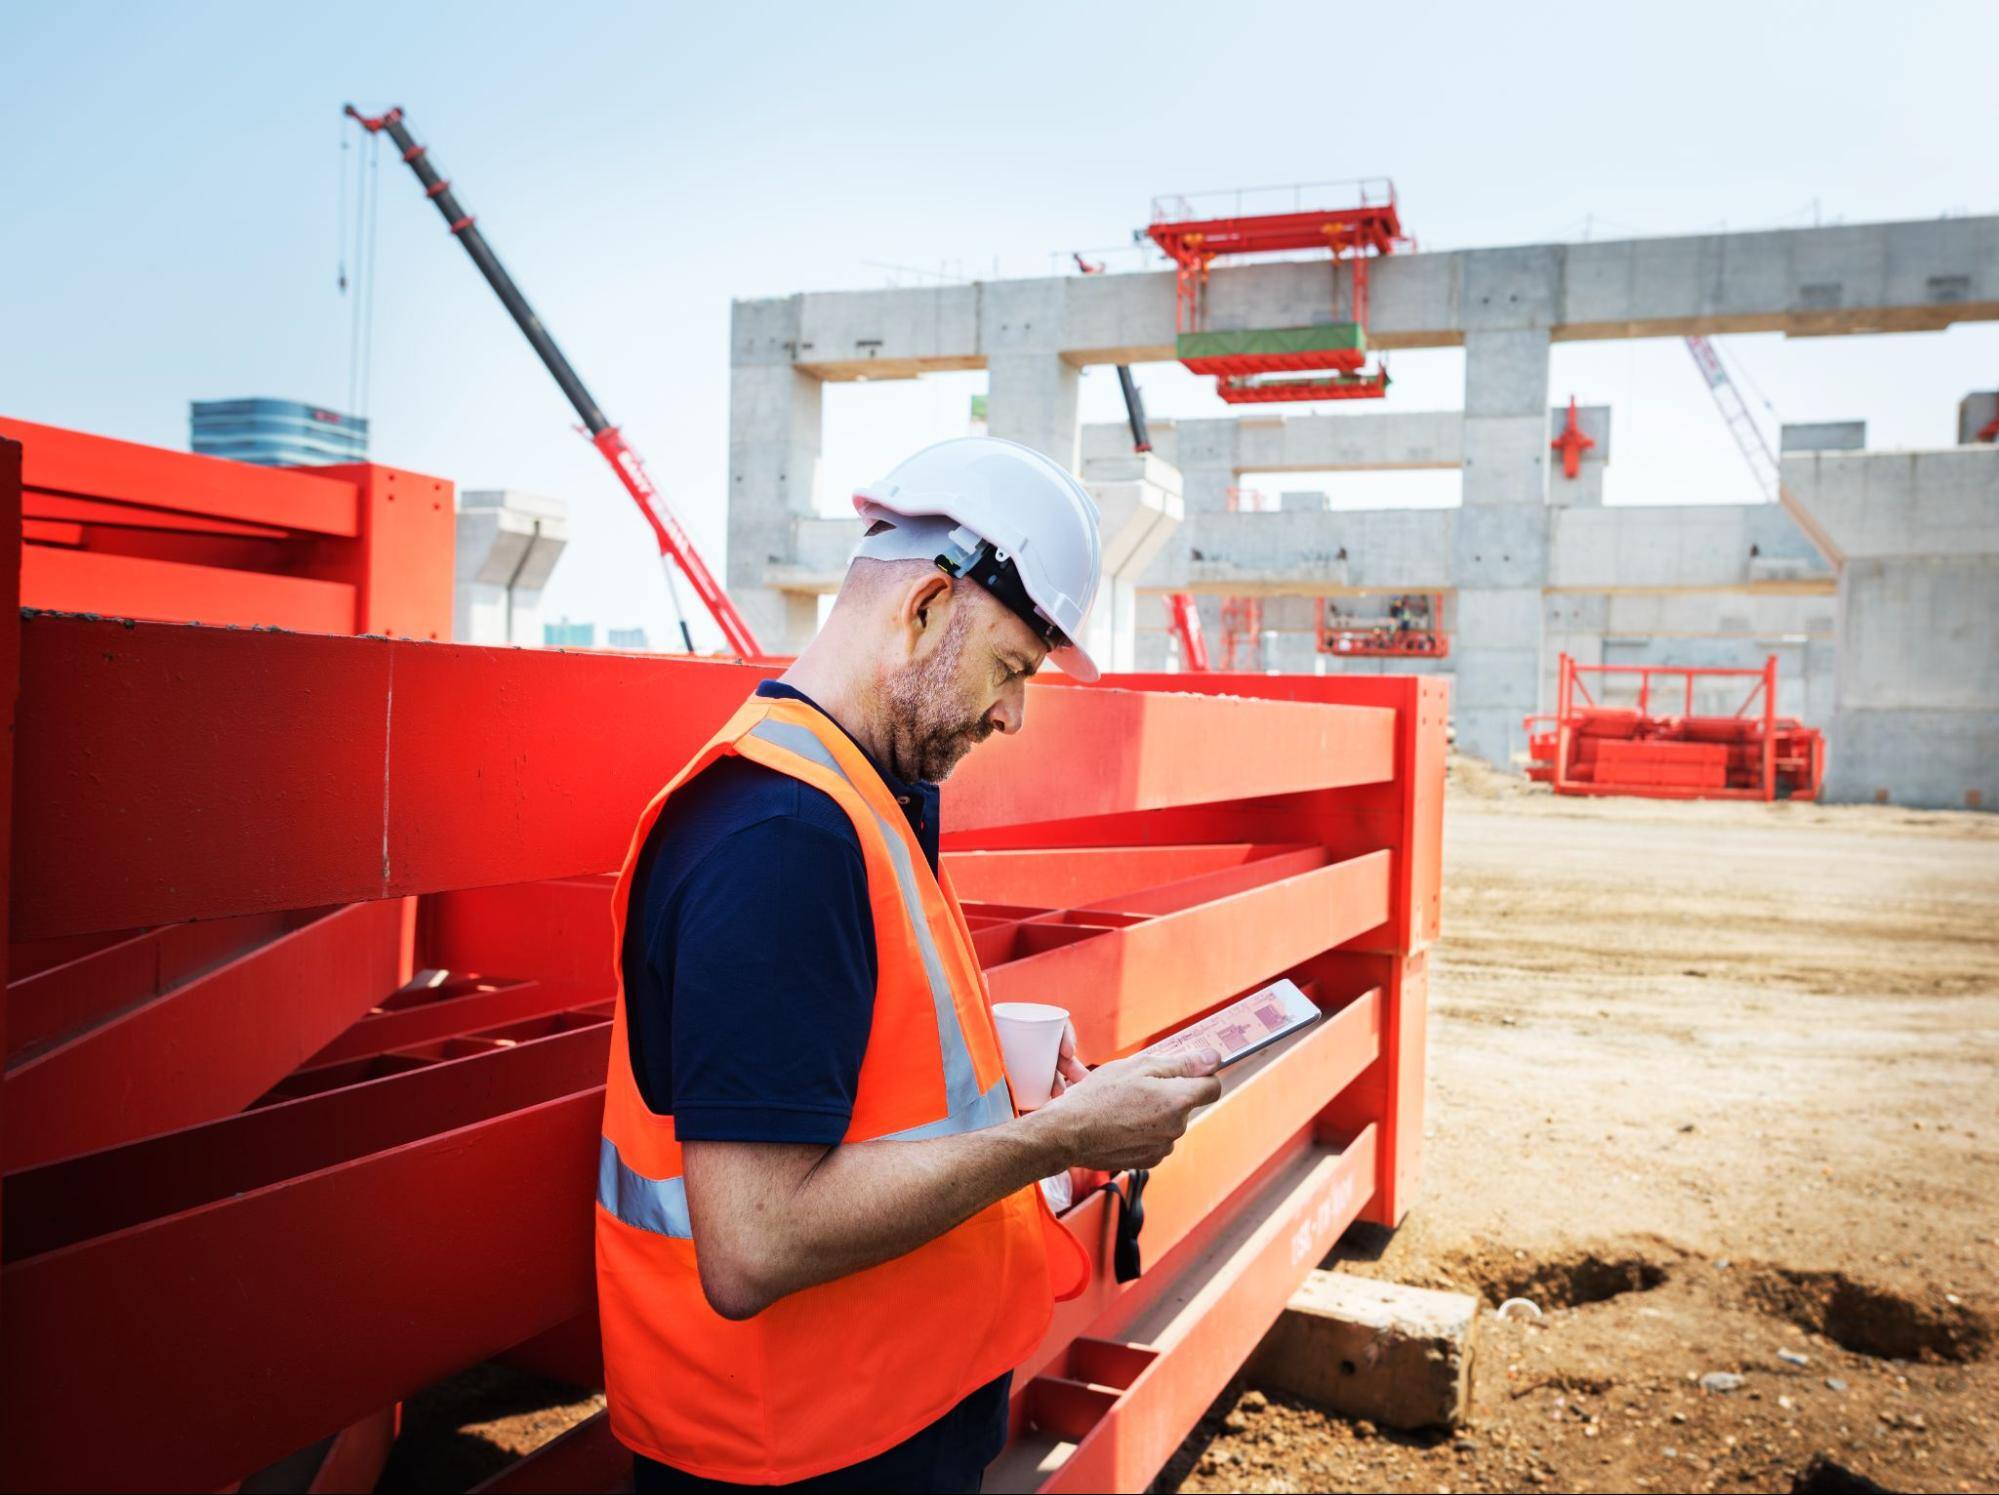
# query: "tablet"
1241,1028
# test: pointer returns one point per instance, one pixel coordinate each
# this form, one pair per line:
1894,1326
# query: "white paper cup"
1030,1035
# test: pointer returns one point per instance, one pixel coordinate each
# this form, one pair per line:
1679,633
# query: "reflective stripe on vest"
660,1204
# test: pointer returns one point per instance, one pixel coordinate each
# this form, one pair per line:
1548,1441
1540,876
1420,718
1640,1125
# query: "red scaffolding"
1591,747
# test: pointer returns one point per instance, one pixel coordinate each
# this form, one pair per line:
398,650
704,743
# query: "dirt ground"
1714,1085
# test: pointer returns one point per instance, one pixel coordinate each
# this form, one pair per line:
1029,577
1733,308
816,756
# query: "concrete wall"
507,545
1916,715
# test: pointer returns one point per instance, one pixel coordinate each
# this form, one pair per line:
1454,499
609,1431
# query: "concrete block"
1823,436
1303,502
1129,466
1501,546
1398,1356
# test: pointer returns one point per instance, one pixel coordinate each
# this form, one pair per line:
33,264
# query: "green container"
1272,341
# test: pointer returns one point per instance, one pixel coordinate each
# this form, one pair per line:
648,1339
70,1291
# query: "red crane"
675,545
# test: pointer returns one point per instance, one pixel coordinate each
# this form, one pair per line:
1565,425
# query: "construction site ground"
1712,1085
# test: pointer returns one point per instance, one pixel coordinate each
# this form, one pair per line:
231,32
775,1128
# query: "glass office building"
276,433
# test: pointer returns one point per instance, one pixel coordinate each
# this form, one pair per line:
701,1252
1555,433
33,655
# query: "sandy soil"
1709,1082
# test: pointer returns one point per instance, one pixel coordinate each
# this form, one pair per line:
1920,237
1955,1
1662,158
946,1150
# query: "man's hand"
1130,1112
1069,1070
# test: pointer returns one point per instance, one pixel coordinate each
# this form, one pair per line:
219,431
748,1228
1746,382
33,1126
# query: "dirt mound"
1869,1319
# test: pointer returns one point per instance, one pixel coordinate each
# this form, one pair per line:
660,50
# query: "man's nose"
1009,714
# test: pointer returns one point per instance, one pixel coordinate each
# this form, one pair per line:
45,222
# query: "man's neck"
834,691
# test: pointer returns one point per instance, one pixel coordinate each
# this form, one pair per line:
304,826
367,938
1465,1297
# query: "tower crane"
676,547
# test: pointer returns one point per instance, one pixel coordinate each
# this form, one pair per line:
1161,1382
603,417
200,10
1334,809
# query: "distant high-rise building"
568,635
276,433
625,638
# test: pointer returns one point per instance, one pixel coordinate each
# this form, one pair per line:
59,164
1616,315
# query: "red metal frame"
364,1137
112,526
1357,639
1351,234
1591,747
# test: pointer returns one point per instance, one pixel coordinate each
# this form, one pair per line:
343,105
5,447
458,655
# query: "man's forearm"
851,1207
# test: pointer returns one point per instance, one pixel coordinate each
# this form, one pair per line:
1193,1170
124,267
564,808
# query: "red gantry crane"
675,545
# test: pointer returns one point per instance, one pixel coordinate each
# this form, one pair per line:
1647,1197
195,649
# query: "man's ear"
922,604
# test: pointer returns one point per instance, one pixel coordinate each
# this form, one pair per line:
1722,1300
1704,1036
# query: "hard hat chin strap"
971,558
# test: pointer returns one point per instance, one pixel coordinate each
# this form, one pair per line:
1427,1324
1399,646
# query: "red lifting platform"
309,980
1241,358
1413,629
1591,748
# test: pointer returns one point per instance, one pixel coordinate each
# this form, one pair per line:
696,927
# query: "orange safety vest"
836,1373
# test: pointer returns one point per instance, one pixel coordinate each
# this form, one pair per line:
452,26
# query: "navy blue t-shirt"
749,956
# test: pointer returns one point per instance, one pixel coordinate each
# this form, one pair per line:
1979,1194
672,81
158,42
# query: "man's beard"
928,732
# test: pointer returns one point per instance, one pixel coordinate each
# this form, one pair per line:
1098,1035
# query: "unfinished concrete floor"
1708,1082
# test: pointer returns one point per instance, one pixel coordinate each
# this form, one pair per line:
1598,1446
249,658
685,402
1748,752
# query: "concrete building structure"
1533,564
508,544
1916,712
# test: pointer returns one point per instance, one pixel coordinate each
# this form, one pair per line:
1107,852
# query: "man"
821,1247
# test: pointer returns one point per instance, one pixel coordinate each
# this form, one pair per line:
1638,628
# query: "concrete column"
1500,542
774,443
1031,398
1138,497
507,544
1030,387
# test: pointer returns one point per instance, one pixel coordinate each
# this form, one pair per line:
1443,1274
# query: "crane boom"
1755,448
676,547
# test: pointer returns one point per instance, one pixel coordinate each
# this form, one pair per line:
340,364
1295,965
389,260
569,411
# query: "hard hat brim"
1076,664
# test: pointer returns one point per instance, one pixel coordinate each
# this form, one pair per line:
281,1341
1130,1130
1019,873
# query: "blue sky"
169,224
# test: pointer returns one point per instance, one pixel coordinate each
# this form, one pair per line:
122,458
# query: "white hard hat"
1006,516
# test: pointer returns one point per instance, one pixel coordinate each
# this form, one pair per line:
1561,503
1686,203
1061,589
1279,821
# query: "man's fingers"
1072,1069
1185,1064
1068,1040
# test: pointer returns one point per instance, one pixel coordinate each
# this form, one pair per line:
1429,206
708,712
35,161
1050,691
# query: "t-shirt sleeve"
773,984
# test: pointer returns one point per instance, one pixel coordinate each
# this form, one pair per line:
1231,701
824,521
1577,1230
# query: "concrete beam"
1874,277
507,545
1370,441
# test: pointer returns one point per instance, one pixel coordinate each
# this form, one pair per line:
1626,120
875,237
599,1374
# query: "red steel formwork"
1592,747
308,998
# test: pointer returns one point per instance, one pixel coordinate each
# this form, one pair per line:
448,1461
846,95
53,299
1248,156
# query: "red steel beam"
209,1046
1201,1333
68,995
88,581
86,466
490,1005
1069,877
1128,985
355,769
557,931
269,1318
109,514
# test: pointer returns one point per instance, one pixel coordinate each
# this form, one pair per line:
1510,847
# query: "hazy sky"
169,219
